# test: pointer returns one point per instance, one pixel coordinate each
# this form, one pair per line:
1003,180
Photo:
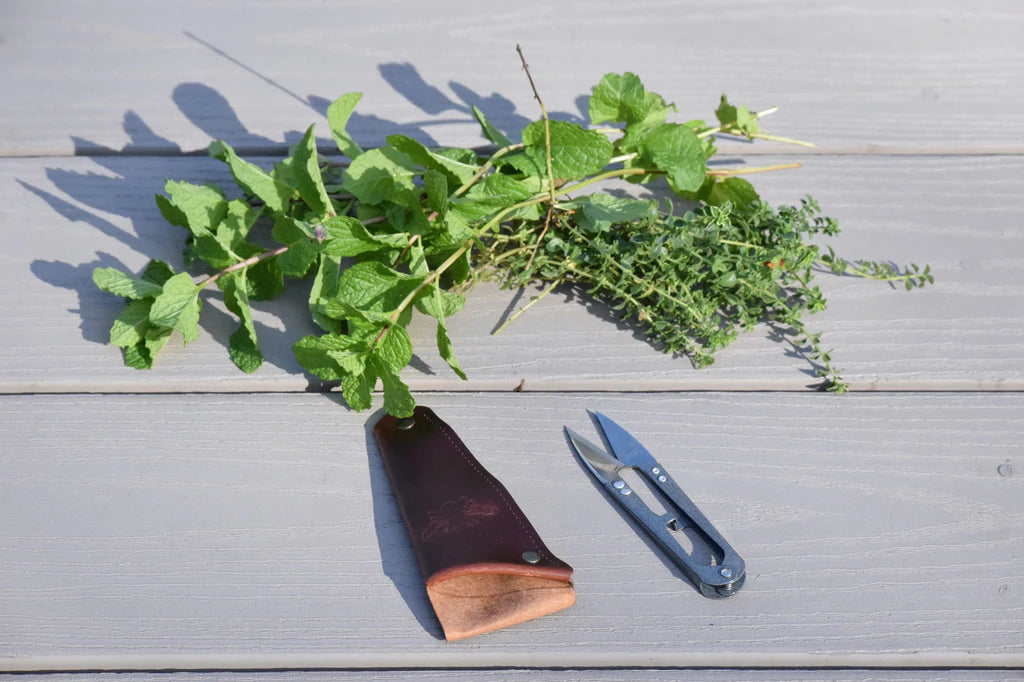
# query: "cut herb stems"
404,228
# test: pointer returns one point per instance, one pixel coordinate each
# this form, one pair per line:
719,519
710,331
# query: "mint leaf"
600,211
444,347
677,150
325,287
398,401
306,171
454,171
120,284
736,191
395,349
142,354
622,98
737,120
575,152
242,346
253,179
436,186
177,306
371,290
338,114
382,174
347,236
197,208
265,280
131,325
331,356
234,229
490,132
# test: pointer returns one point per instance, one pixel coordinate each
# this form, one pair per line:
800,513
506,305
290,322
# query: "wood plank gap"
458,659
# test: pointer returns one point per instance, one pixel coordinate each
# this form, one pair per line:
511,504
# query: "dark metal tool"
725,572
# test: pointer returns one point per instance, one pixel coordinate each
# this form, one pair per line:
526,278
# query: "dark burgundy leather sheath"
484,565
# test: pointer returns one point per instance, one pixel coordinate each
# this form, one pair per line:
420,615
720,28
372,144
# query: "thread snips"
723,572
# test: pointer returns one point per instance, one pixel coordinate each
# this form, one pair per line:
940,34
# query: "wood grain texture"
145,76
64,217
879,530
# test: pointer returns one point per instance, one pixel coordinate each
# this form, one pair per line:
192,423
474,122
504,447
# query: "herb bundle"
403,228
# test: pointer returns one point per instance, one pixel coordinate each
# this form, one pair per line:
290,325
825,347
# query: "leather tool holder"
484,565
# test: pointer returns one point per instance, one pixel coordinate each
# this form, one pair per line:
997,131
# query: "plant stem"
729,172
242,265
486,167
529,305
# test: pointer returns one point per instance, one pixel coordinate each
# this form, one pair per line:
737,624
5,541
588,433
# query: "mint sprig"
386,233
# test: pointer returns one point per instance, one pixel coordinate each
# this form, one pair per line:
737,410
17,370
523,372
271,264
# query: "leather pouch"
484,565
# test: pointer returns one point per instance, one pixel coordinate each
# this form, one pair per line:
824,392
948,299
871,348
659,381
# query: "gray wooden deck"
882,529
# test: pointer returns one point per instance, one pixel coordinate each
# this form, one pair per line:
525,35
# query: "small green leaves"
137,329
737,120
404,229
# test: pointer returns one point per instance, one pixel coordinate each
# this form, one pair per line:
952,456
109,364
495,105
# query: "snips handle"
725,574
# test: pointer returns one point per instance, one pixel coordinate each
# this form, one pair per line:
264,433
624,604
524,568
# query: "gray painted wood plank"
257,531
141,77
535,675
64,217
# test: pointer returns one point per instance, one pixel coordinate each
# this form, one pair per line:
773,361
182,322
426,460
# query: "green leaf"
243,346
444,347
131,325
120,284
234,229
622,98
439,303
575,152
738,119
395,349
371,290
454,171
677,150
306,170
736,191
253,179
346,236
332,356
265,280
436,186
600,211
357,388
177,306
298,260
197,208
142,354
338,115
398,401
325,287
490,132
157,272
382,174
